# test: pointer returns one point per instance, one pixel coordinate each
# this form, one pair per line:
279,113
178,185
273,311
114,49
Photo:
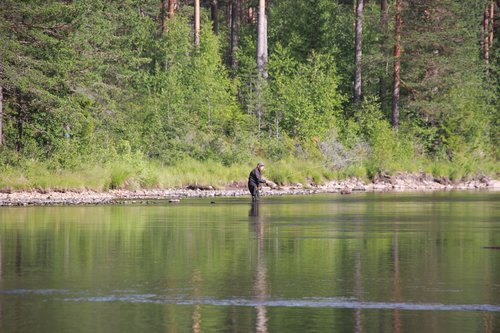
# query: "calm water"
326,263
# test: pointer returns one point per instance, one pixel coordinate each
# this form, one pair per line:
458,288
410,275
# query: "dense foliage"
93,81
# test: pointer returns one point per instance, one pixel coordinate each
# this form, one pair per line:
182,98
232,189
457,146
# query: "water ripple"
310,303
336,302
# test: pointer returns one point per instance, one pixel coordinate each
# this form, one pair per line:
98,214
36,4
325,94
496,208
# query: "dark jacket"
255,178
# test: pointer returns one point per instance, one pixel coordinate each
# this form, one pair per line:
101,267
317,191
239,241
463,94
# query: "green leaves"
81,78
304,97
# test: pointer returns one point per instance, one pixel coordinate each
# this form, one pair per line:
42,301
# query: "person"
255,179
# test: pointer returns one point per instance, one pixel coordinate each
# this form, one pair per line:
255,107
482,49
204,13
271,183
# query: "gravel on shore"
380,183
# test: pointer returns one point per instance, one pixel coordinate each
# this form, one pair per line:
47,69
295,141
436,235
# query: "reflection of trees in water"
396,286
488,322
196,281
358,287
261,286
396,283
1,278
70,246
358,290
19,255
196,318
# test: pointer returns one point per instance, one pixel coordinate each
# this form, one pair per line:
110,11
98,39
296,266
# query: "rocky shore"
380,183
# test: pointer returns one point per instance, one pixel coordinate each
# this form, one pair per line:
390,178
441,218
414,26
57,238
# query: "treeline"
377,85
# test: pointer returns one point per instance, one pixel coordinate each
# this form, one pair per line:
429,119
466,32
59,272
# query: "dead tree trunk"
358,52
397,67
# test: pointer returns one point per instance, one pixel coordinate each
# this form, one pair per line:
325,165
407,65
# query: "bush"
304,99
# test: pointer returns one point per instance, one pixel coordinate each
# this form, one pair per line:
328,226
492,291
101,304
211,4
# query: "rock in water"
345,191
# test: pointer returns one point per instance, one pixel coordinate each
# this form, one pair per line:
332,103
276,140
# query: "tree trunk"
234,37
262,59
1,103
196,22
20,126
486,38
384,18
397,67
492,22
1,108
214,13
262,40
358,52
171,8
250,13
228,14
164,8
241,7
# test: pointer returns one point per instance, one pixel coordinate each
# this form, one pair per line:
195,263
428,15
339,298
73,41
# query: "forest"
106,94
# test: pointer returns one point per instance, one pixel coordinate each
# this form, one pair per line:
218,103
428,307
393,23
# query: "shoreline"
381,183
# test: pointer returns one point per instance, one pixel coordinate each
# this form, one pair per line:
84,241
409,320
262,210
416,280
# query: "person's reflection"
261,287
254,210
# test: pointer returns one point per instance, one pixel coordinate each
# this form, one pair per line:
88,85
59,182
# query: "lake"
366,262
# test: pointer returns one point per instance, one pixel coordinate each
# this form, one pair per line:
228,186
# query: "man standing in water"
254,180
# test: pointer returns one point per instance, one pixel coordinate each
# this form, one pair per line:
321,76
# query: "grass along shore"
138,174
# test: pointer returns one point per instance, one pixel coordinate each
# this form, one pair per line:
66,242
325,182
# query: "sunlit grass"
192,172
132,174
291,171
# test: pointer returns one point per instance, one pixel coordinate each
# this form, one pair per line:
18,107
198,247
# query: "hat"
260,164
